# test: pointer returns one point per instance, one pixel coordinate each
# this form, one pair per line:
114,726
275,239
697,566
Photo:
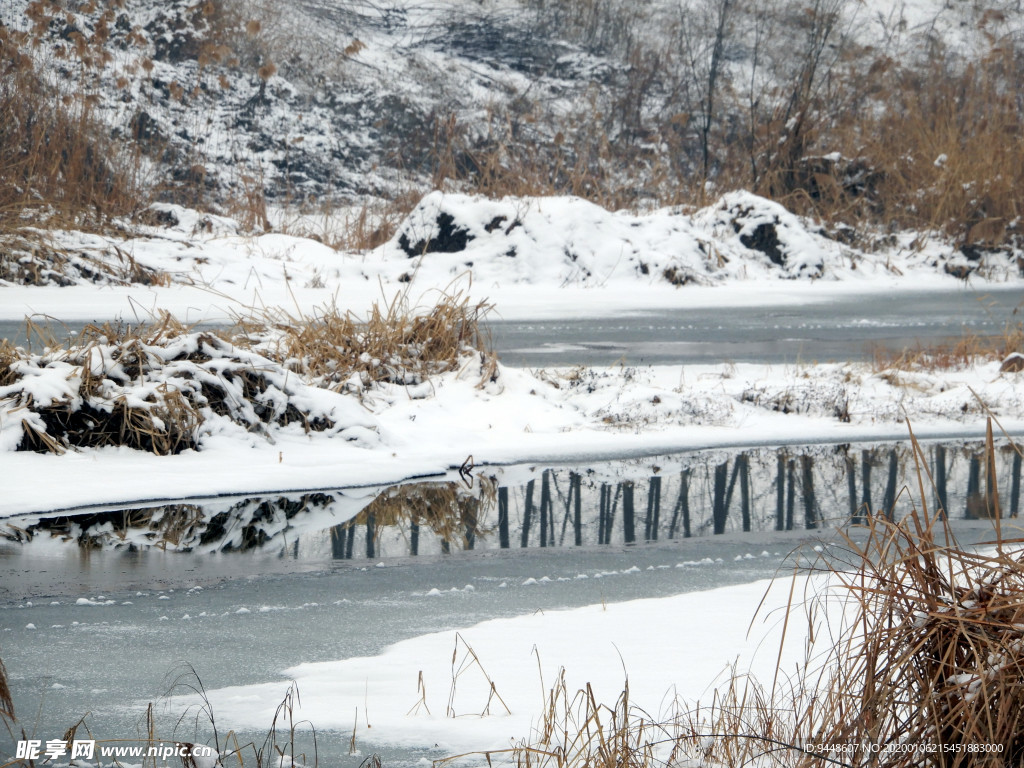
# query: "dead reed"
954,355
399,344
152,387
56,164
923,669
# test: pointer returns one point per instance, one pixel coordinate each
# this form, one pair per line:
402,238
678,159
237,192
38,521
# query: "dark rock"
1014,363
766,240
449,239
495,223
675,276
959,271
144,128
972,251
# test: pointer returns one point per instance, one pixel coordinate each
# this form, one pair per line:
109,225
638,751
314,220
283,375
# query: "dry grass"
6,699
144,387
919,663
55,164
396,344
577,731
967,351
923,670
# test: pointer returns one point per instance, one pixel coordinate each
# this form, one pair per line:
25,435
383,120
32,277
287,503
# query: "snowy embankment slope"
558,255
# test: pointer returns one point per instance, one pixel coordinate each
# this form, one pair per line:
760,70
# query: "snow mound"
569,241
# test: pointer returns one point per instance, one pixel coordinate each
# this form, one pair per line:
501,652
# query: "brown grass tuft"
396,344
951,356
923,670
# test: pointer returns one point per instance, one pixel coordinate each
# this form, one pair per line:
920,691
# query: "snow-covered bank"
533,257
527,416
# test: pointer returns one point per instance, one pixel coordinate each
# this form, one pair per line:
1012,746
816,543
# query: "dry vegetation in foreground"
925,666
152,387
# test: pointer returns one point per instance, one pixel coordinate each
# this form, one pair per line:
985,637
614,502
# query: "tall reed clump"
57,165
932,144
396,344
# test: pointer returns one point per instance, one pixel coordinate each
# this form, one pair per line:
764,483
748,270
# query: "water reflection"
618,503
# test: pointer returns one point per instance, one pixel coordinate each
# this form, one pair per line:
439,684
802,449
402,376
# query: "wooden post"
889,505
790,492
369,536
780,492
503,517
810,502
338,542
865,481
545,506
628,529
414,538
941,499
719,510
1015,485
653,509
745,491
851,490
527,514
577,520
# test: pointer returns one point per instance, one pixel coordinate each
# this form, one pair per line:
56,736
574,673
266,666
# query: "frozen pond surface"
99,609
97,658
845,328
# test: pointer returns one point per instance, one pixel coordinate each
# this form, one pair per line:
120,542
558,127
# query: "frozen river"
845,329
848,327
99,609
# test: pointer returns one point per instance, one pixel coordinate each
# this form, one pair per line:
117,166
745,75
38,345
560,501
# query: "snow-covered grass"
509,243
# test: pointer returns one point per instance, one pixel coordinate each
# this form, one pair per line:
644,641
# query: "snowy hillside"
359,98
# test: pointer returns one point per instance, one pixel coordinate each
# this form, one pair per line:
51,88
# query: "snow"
570,259
564,258
601,645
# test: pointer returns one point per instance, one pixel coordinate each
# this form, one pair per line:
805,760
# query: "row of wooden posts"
557,520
